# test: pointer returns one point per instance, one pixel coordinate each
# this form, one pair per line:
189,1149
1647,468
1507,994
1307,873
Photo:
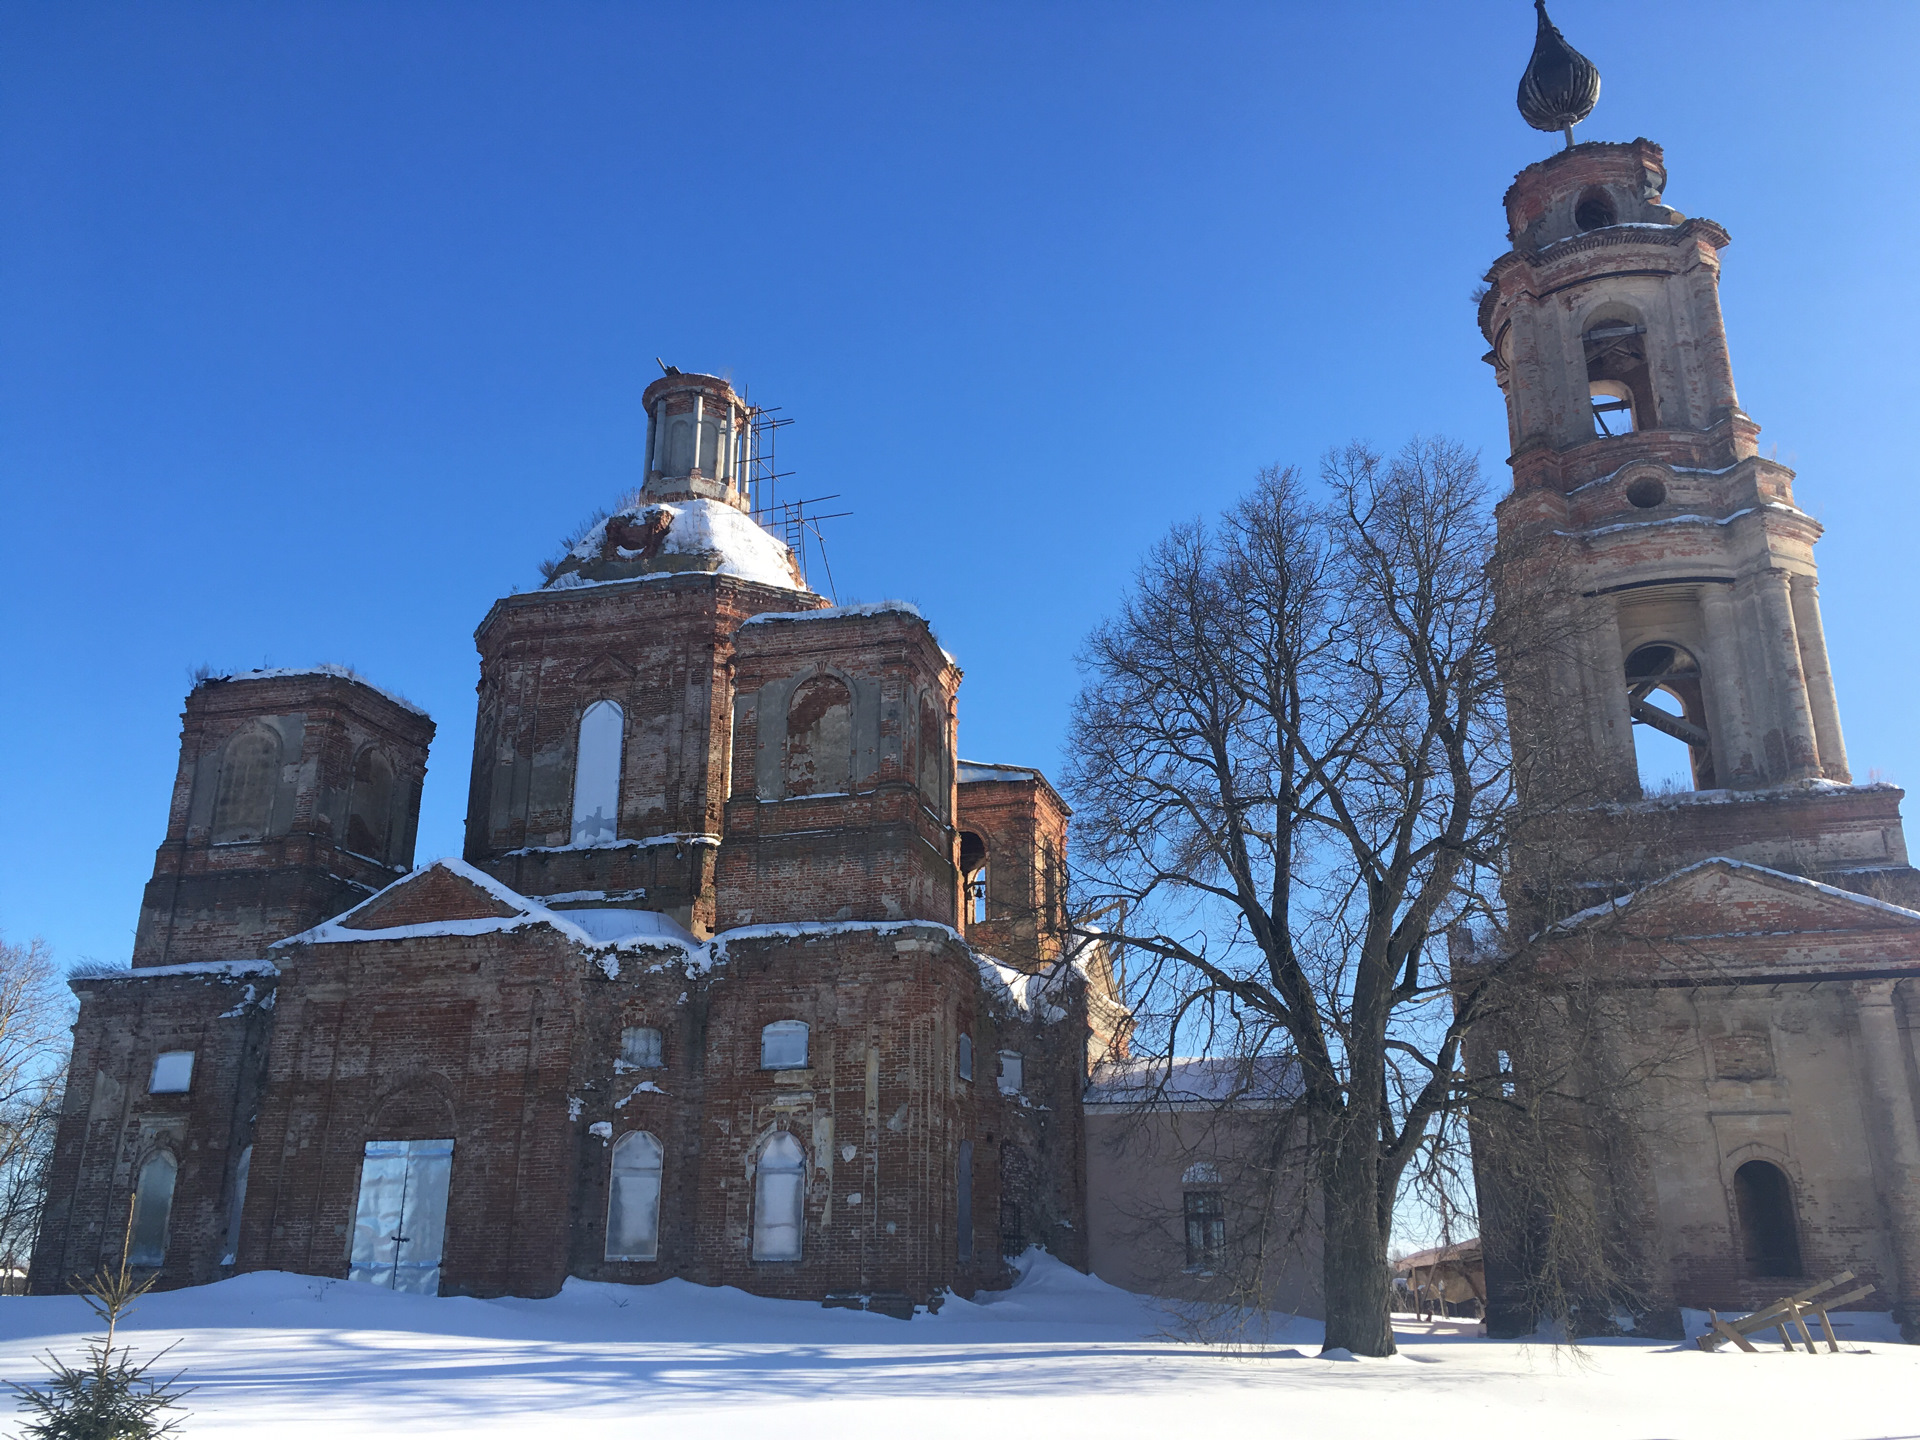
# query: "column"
1821,700
1799,757
1729,721
1889,1100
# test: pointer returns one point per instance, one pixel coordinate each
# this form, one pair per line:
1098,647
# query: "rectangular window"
1012,1072
783,1045
1206,1229
172,1073
1505,1077
640,1047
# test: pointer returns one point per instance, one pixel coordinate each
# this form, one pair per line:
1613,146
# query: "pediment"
605,670
434,893
1722,898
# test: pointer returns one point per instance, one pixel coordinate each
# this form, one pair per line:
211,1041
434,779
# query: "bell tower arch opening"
1671,745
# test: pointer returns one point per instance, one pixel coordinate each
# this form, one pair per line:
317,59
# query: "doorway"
400,1226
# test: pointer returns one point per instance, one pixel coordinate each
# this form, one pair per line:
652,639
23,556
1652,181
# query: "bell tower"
1675,555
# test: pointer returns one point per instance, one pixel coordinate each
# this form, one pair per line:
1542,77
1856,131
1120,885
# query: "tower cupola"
699,440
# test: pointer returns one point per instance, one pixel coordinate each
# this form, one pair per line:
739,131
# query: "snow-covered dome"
676,538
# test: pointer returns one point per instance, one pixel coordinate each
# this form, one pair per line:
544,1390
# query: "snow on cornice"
527,913
674,840
1683,520
1725,862
203,969
337,672
696,529
839,612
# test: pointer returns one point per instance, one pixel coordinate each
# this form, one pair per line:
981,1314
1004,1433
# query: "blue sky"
320,324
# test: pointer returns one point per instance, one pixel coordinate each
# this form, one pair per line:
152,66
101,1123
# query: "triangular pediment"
606,670
1723,898
430,894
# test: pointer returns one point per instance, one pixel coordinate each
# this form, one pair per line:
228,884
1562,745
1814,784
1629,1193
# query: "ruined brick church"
702,999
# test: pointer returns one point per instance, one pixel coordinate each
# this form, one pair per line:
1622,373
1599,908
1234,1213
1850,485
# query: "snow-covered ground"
1059,1355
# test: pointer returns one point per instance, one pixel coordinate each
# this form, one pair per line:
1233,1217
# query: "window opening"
1683,758
1594,210
596,775
237,1206
779,1194
1201,1172
633,1198
963,1184
640,1047
966,1057
1618,380
400,1223
370,813
1012,1072
973,876
243,802
152,1209
820,738
172,1073
1206,1216
1768,1229
1503,1070
783,1045
933,755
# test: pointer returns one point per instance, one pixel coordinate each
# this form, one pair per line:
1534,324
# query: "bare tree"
1290,761
35,1012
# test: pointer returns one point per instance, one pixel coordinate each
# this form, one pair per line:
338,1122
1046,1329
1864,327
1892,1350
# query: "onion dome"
1561,85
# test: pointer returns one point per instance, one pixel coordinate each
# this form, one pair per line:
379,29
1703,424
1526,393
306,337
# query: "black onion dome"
1561,85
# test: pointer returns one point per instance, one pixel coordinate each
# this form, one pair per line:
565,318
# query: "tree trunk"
1354,1263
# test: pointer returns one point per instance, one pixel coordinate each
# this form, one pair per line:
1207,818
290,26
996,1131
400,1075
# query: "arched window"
783,1045
1617,376
820,738
966,1057
1769,1232
678,448
779,1199
370,812
633,1199
152,1208
973,876
243,802
1673,751
933,757
596,775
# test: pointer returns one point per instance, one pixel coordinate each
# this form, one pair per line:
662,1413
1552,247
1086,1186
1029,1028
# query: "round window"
1646,492
1594,210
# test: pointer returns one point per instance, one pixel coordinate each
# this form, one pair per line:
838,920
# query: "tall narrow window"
1768,1230
236,1205
963,1201
973,875
596,775
977,897
783,1045
1206,1216
243,801
633,1199
966,1057
1618,378
1504,1074
933,757
819,756
370,813
152,1208
1673,751
779,1199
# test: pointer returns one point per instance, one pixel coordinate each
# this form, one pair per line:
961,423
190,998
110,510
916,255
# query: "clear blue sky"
320,324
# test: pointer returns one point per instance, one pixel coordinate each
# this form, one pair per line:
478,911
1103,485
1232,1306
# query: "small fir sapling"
109,1397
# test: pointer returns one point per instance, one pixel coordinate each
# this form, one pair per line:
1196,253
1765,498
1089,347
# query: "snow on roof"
527,913
797,929
691,838
337,672
1199,1080
840,612
1620,902
210,969
614,926
973,771
1032,993
696,528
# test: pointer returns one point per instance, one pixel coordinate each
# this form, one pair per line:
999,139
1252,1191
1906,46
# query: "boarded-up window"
596,775
783,1045
370,813
966,1057
820,738
933,757
236,1207
1743,1055
633,1200
640,1048
152,1209
1013,1068
779,1199
243,803
172,1073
